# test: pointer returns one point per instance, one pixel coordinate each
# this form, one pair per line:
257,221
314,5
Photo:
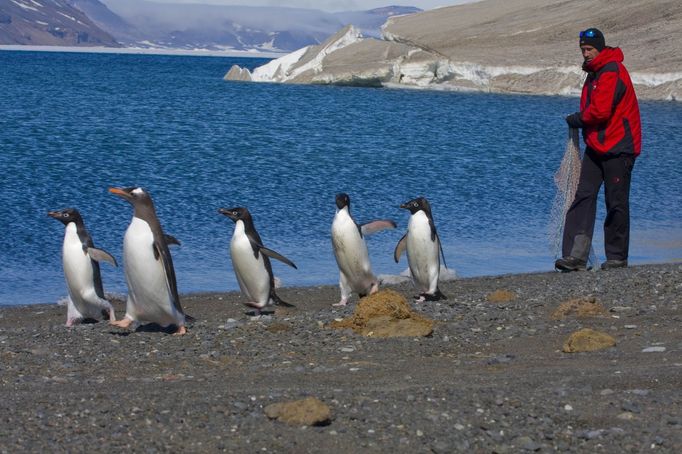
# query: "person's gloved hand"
574,120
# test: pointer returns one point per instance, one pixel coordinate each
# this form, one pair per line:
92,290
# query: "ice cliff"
474,47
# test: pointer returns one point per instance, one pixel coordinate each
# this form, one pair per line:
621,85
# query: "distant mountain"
139,23
49,23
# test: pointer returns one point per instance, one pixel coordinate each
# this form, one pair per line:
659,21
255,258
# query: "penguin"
152,288
350,250
81,259
251,261
424,250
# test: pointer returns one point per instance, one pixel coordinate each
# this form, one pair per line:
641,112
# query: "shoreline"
139,51
491,377
395,281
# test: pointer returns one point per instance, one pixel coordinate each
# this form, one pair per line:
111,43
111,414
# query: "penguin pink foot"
123,323
73,321
341,303
181,331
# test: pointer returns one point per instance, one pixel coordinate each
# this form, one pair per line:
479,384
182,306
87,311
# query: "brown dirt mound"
307,412
587,340
501,296
579,307
385,314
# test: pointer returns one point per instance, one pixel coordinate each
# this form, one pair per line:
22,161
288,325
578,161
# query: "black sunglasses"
588,34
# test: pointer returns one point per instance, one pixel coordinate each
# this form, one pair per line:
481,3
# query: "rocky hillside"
49,23
517,46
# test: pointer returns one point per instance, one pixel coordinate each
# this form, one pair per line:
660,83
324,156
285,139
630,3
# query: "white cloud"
325,5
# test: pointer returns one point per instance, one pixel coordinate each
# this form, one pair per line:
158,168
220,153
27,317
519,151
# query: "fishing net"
566,180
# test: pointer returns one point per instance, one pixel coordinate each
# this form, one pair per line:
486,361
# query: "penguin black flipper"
88,244
170,239
440,245
162,253
254,239
434,234
100,255
400,248
377,226
276,255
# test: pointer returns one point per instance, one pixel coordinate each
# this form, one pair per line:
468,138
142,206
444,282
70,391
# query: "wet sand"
491,378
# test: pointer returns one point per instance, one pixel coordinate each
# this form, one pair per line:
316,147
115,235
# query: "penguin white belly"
351,253
79,276
253,277
149,297
422,253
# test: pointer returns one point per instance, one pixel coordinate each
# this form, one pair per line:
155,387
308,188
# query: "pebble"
591,434
653,350
527,443
640,392
500,359
621,309
631,407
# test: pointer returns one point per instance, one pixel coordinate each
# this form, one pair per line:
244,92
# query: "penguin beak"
120,192
54,214
403,206
227,212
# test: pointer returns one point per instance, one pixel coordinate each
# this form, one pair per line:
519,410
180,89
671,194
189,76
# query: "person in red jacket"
609,118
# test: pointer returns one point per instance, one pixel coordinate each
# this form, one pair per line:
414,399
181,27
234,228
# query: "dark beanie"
593,37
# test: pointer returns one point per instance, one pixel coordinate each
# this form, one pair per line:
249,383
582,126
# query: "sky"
328,5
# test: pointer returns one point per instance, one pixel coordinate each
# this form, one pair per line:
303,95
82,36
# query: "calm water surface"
72,125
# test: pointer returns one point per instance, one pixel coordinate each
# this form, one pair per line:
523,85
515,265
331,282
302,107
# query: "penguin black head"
415,205
236,214
66,216
342,201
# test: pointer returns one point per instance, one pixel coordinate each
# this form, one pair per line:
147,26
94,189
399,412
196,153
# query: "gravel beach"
492,377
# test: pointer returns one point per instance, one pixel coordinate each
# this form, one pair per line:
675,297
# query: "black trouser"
615,172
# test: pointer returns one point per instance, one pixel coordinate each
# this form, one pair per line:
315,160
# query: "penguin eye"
66,215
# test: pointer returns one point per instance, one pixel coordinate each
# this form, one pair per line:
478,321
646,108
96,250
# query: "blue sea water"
74,124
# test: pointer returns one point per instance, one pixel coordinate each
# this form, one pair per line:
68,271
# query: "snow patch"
67,16
24,6
267,72
353,35
280,70
654,80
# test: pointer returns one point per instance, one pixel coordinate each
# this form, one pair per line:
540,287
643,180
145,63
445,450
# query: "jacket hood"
608,55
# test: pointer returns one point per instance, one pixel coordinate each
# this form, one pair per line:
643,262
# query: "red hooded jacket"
608,106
